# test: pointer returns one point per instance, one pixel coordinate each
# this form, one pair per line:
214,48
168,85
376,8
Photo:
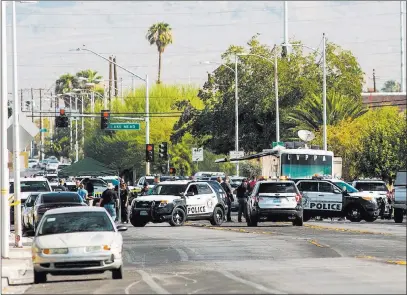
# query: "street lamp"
147,119
236,106
324,116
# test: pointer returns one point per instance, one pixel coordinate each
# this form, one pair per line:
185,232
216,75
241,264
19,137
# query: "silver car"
75,241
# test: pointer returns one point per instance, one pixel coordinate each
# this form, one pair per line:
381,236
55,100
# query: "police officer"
229,197
241,194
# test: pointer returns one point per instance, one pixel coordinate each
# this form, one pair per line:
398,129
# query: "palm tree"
308,115
65,84
160,34
91,76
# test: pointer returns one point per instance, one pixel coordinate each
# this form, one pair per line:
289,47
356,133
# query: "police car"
335,198
274,200
178,201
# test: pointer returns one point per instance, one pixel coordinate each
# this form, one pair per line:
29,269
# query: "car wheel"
40,277
138,222
217,217
252,221
117,274
298,221
178,217
354,214
398,215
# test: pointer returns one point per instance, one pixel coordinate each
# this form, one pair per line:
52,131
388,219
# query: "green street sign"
43,130
123,126
278,143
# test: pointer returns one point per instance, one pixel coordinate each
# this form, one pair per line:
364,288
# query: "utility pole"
325,141
4,175
70,123
32,119
402,49
121,88
236,116
50,124
41,126
76,130
115,77
374,80
110,82
276,94
286,26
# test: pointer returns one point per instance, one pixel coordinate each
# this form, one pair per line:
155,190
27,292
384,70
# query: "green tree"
65,84
309,113
299,77
391,86
250,168
160,34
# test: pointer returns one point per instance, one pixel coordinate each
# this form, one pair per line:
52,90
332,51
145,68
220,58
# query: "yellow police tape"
98,194
15,203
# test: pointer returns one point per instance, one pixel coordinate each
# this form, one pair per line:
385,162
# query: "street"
321,257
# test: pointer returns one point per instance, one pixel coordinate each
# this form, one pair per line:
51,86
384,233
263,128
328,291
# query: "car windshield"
277,188
349,188
97,182
169,189
149,180
32,186
61,198
74,222
371,186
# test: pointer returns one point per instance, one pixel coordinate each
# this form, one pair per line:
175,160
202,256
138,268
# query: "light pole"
147,97
236,105
324,115
275,87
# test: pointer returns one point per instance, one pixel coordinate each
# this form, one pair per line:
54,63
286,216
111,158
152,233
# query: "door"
309,191
25,211
206,197
329,197
194,201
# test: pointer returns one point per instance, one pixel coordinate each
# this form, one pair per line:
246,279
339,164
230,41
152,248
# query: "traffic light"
173,171
62,120
163,151
104,119
149,152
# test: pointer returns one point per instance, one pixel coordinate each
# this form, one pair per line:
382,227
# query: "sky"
202,30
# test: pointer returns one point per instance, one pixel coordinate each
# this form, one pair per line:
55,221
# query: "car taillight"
298,198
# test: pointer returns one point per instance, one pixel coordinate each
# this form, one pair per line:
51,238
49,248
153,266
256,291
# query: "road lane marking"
398,262
313,242
395,262
151,283
319,227
127,290
182,254
250,283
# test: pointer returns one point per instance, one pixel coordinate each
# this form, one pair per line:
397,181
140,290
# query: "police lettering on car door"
196,210
325,206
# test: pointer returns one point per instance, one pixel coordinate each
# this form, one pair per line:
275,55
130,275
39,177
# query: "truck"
399,195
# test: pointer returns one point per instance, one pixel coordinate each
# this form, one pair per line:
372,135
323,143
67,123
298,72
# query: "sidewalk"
17,269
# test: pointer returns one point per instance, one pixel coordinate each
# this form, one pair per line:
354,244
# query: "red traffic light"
106,114
149,147
172,170
62,112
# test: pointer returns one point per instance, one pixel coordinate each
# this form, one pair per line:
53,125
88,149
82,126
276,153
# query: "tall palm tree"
65,84
91,76
308,115
160,34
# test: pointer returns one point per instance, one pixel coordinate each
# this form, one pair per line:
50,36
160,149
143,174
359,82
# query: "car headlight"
93,248
163,204
55,251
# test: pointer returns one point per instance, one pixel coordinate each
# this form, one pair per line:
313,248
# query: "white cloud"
202,31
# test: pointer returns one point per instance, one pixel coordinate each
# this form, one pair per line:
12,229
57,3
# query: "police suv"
336,198
178,201
274,200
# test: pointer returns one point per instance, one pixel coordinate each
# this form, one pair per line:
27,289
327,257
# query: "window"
61,198
193,189
308,186
277,188
31,200
169,190
325,187
348,187
75,222
204,189
98,182
32,186
371,186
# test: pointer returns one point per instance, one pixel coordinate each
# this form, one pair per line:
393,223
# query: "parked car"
399,193
33,163
53,200
52,165
27,212
77,241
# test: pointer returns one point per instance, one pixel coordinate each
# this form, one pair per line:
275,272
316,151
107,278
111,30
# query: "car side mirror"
336,191
121,228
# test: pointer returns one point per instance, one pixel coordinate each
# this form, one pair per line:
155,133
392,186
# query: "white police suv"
177,201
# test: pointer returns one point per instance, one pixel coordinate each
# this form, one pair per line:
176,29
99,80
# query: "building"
380,99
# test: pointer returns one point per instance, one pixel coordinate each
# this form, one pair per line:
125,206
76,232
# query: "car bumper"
84,263
152,214
279,214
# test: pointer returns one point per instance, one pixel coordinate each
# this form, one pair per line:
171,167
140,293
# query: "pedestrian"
61,185
124,202
229,197
90,188
252,183
83,193
144,190
109,200
241,194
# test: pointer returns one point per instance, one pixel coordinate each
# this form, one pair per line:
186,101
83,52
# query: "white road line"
151,283
127,290
249,283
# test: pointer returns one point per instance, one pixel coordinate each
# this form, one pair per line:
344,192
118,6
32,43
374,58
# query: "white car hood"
72,240
361,194
168,198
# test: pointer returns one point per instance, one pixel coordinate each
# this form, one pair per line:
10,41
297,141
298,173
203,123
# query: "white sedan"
75,241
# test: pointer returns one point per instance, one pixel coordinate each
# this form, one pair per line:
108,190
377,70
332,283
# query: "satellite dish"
306,135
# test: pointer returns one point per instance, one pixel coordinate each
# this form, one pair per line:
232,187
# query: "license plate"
144,213
276,201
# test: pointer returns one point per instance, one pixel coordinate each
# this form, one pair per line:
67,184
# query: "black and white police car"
329,198
274,200
178,201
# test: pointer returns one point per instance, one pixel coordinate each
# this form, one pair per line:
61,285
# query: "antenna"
306,136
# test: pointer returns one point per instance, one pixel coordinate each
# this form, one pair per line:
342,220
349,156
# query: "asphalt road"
321,257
